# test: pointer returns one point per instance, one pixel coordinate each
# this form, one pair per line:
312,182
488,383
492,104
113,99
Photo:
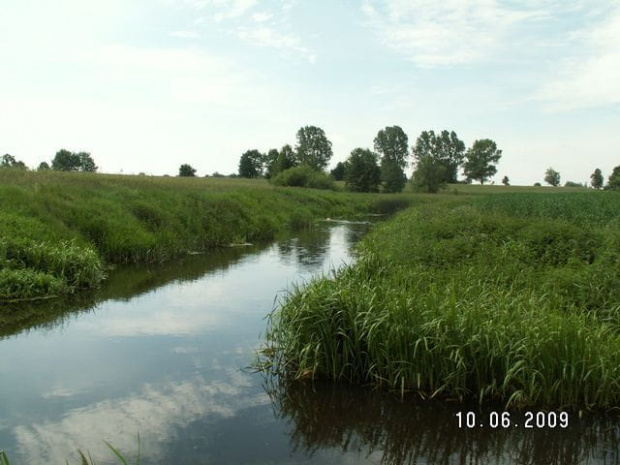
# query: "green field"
512,298
60,231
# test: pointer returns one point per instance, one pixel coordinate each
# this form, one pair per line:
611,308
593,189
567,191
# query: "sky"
148,85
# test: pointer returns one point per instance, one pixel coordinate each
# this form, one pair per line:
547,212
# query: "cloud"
589,78
184,34
451,32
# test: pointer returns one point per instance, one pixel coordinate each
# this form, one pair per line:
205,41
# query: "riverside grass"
59,231
511,298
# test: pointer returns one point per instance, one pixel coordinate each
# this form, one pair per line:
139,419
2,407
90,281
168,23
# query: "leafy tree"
596,179
87,163
303,176
572,184
313,148
480,160
536,184
393,145
251,164
362,172
43,166
429,175
187,171
66,161
338,171
270,163
552,177
7,160
506,181
392,176
445,149
284,161
613,181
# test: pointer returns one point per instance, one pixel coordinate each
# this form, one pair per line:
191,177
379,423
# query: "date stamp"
504,420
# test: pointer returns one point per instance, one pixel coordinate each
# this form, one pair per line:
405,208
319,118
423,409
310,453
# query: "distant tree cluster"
9,161
64,160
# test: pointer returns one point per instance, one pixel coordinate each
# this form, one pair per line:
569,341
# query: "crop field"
512,298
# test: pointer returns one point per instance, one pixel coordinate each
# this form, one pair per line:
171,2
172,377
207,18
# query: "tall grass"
462,301
67,225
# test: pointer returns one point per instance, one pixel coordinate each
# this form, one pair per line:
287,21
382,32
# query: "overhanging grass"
67,225
465,301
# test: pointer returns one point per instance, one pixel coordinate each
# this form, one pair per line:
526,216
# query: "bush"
303,176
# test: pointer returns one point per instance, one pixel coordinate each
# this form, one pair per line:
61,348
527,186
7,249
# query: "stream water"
161,351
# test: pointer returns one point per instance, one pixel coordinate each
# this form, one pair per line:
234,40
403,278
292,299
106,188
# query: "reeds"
458,302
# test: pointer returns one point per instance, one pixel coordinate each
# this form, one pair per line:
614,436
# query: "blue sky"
147,85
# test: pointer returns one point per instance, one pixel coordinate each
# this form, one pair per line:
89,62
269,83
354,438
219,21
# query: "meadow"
59,232
510,298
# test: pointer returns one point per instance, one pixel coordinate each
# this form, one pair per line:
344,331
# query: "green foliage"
303,176
64,160
270,161
596,179
613,183
43,166
339,171
362,174
429,176
393,145
9,161
506,181
251,164
469,301
393,177
283,160
444,149
313,148
480,160
552,177
187,171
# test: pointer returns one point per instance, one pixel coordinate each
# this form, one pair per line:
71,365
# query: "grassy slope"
513,298
58,229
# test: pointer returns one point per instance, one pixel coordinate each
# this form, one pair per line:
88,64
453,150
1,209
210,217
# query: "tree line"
597,181
64,160
437,159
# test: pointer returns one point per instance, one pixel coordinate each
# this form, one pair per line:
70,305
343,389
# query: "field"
60,231
512,298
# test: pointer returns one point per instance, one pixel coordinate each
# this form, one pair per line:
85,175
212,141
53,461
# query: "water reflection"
380,425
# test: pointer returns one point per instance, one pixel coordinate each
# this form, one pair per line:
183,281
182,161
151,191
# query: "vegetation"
392,144
429,176
596,179
70,161
313,148
59,230
444,149
303,176
362,173
481,159
613,182
511,298
251,164
552,177
187,171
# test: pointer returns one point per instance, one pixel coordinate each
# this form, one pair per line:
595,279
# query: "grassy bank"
59,230
513,298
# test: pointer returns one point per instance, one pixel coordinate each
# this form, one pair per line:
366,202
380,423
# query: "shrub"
303,176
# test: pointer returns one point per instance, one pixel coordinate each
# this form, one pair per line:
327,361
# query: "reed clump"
468,300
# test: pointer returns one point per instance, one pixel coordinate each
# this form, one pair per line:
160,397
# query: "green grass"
58,231
513,299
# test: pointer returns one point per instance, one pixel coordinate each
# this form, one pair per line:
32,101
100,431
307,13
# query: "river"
162,351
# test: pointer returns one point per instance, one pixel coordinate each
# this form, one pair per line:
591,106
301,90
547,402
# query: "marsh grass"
69,225
461,301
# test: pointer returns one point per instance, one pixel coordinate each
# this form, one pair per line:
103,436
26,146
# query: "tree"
338,171
613,181
393,145
429,175
7,160
506,181
270,163
187,171
480,160
66,161
313,148
251,164
445,149
43,166
596,179
552,177
87,163
392,176
362,172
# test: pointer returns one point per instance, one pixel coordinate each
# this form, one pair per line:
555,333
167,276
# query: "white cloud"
589,78
451,32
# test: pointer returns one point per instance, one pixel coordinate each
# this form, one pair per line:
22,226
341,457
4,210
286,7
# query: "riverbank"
59,231
512,298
